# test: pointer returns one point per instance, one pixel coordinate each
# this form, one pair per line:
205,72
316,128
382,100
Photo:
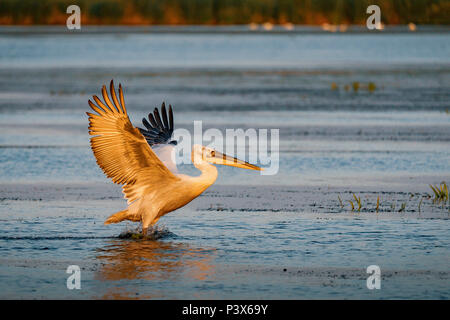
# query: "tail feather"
117,217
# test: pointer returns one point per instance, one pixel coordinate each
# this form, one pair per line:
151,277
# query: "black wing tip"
159,126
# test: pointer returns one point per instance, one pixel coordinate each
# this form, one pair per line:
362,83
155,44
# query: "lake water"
388,138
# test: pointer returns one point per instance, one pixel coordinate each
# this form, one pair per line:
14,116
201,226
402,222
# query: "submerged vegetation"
222,12
441,196
371,87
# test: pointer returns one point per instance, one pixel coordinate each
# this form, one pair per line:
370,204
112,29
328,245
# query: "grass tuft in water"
440,192
340,202
420,205
358,201
393,205
351,203
378,204
441,196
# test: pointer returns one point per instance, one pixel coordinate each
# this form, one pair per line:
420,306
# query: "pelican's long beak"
220,158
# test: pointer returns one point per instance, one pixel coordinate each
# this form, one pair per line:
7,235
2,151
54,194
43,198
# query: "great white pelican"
126,154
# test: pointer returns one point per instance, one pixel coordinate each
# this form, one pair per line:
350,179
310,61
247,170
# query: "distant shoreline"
201,29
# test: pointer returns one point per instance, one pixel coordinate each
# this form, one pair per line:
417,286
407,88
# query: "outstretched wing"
158,131
121,150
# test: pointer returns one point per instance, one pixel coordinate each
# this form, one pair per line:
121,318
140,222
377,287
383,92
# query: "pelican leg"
146,222
144,230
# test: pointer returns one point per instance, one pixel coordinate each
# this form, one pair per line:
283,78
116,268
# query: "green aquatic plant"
358,201
393,206
351,203
378,203
334,86
355,86
371,87
420,203
440,192
340,201
403,207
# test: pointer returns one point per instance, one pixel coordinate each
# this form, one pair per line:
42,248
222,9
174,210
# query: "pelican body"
126,154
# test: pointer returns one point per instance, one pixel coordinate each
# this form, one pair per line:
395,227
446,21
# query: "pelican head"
204,154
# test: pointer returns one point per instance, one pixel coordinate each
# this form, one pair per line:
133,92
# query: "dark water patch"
153,233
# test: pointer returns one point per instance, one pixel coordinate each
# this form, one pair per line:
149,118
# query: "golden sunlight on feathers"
124,154
121,150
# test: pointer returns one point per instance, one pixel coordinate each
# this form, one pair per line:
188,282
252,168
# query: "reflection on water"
153,260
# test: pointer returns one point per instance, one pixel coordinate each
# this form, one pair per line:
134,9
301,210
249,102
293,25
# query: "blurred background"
219,12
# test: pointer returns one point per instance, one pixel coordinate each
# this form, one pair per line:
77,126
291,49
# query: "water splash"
153,233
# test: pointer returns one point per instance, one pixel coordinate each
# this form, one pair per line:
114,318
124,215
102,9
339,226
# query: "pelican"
139,160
